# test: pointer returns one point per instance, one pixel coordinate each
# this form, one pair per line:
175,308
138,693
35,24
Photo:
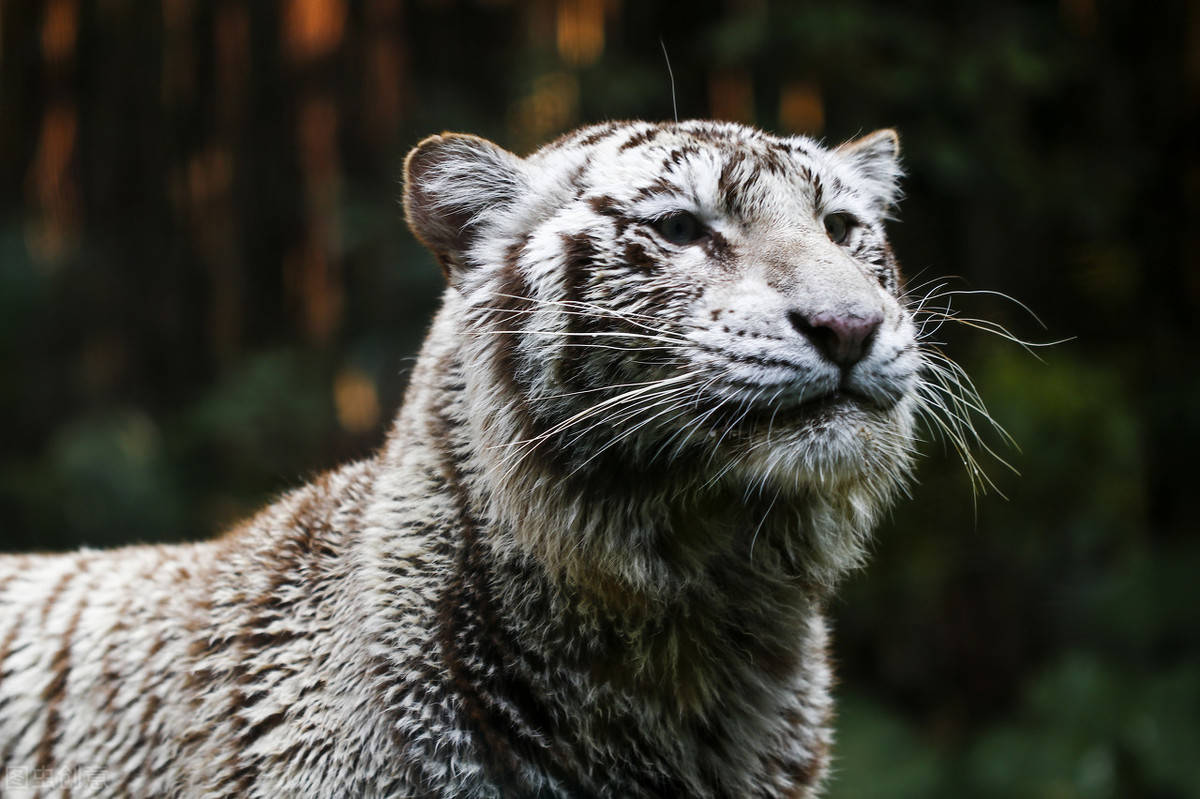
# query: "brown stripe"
55,592
259,728
47,606
730,185
7,642
575,179
600,135
789,147
509,368
642,137
412,750
497,751
709,134
112,637
239,773
54,692
579,256
638,259
607,206
657,188
152,679
6,649
678,156
719,248
18,564
818,192
142,744
772,161
459,627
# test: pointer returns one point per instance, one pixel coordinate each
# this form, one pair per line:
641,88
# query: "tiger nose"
843,338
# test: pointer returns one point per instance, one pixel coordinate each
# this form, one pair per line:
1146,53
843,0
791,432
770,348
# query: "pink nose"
843,338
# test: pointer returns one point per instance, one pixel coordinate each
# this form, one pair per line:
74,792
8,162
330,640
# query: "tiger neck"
614,622
622,552
569,668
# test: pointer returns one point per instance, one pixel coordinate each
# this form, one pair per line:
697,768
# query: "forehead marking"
742,160
658,188
637,258
773,162
607,206
641,137
677,156
731,187
600,135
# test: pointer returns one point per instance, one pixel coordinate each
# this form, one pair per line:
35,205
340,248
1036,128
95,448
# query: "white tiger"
670,390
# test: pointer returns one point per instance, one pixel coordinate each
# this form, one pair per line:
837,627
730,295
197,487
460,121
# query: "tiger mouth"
833,403
830,407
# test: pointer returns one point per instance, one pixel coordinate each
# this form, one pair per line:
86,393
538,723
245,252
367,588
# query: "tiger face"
703,292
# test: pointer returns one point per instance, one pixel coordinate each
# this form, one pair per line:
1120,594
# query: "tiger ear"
876,158
453,184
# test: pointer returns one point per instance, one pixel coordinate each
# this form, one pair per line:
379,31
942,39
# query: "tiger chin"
671,387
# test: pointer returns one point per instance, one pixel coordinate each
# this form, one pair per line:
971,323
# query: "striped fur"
591,558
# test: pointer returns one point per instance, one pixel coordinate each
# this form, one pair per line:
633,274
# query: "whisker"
521,448
1002,295
590,334
582,308
996,329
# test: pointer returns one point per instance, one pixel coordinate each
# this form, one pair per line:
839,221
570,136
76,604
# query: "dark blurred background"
207,294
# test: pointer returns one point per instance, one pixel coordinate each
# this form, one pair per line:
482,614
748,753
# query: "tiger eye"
838,226
680,228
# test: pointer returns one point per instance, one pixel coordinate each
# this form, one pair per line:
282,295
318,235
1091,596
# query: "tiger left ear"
454,185
876,158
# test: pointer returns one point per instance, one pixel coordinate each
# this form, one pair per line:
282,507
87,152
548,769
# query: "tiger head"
696,304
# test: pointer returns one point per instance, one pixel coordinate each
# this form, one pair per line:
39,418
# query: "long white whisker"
581,308
519,449
1002,295
591,334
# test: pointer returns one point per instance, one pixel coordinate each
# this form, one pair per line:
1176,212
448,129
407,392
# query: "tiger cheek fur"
669,392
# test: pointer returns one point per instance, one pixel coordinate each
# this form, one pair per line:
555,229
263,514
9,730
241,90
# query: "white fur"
602,489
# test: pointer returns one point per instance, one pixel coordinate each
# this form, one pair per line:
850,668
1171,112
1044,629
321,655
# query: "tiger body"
653,423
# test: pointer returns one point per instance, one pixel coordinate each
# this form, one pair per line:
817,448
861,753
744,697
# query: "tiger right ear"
876,157
452,184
